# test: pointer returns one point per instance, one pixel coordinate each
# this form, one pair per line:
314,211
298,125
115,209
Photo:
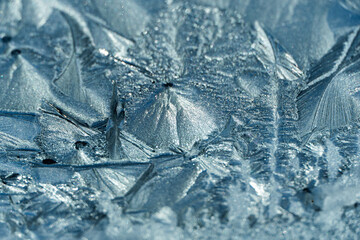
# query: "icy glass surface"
176,119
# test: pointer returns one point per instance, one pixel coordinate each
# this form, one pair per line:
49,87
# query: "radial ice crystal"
171,119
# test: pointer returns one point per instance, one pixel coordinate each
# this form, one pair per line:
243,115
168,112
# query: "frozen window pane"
169,119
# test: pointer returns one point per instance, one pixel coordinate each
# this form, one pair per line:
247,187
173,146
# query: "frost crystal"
171,119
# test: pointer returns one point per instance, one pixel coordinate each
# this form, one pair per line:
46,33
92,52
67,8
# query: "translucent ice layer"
169,119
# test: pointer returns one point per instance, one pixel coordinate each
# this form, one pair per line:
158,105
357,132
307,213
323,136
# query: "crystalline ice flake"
168,119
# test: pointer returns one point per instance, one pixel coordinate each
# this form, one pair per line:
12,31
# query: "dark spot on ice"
356,205
307,190
12,176
16,52
317,208
80,144
6,39
168,85
48,161
252,220
9,178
